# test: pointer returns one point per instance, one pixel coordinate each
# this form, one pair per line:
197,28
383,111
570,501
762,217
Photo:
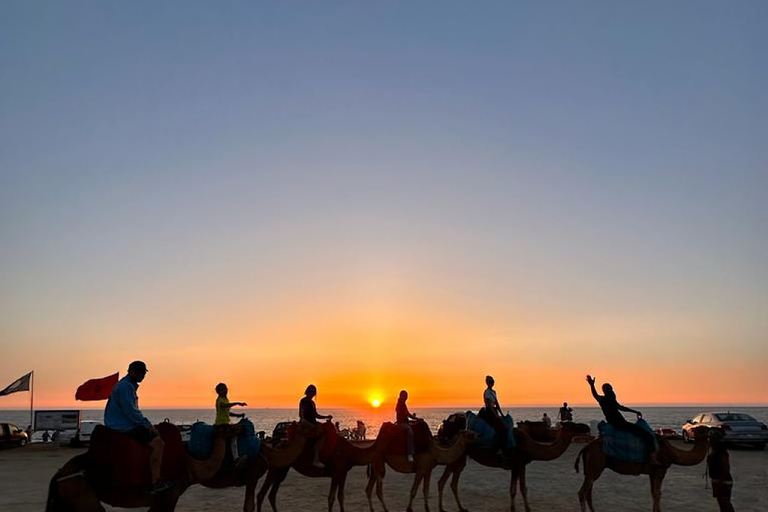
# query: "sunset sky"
375,196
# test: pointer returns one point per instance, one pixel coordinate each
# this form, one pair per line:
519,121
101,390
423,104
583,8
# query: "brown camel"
595,461
115,470
339,456
424,461
527,450
270,457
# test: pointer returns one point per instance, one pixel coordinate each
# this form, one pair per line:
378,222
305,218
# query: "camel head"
451,427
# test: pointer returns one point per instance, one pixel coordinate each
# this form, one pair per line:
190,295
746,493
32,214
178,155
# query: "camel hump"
398,439
119,461
330,440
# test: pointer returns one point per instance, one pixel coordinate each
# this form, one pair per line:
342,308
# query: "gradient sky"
372,196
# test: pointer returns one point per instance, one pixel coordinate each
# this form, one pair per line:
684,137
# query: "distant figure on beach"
719,468
55,436
566,413
360,430
308,415
611,409
404,417
46,436
546,420
223,413
493,413
338,427
123,415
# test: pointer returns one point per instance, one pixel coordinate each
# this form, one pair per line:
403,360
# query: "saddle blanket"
487,434
623,445
200,444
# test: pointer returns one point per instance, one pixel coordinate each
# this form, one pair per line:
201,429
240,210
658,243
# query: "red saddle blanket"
422,437
118,461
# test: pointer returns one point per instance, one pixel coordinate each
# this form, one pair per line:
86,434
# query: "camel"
527,450
595,461
424,461
269,458
91,478
339,456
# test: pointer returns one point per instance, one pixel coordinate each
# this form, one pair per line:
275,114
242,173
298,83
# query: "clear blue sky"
588,175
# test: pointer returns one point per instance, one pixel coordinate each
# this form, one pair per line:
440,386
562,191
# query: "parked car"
12,435
737,427
82,435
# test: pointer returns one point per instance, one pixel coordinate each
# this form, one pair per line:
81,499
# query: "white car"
82,436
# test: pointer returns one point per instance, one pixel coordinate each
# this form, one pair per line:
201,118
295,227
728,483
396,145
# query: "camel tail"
582,455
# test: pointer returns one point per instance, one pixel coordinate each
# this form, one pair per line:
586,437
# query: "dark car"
11,435
737,427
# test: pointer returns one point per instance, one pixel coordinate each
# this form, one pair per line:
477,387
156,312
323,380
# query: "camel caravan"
132,463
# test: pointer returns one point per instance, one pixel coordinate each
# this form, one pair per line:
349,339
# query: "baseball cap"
139,366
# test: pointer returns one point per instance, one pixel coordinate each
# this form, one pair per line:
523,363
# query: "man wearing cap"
123,415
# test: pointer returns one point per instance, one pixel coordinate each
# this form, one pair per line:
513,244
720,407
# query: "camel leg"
414,490
455,489
276,487
332,492
441,485
425,489
524,490
264,488
512,489
369,489
657,477
376,478
251,481
593,468
342,483
453,471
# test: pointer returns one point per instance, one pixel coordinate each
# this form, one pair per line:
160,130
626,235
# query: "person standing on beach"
223,413
404,417
493,413
308,416
719,469
123,415
566,413
611,409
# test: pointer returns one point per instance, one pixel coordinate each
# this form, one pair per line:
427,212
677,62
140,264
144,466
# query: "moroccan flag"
20,384
96,389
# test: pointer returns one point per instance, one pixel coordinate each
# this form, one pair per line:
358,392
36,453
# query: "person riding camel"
122,414
611,409
223,413
404,418
308,416
494,415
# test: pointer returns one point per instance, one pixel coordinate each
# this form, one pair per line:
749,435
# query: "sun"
375,402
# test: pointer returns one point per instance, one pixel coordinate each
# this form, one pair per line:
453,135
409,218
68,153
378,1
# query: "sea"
671,417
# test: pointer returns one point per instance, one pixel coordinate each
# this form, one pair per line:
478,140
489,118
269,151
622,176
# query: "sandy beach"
552,486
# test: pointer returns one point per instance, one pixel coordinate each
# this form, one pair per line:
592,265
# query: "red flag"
96,389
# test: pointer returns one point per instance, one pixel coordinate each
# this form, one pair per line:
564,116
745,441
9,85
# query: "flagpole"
31,398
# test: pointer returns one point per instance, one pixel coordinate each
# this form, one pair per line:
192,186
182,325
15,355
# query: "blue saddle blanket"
487,434
623,445
200,444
